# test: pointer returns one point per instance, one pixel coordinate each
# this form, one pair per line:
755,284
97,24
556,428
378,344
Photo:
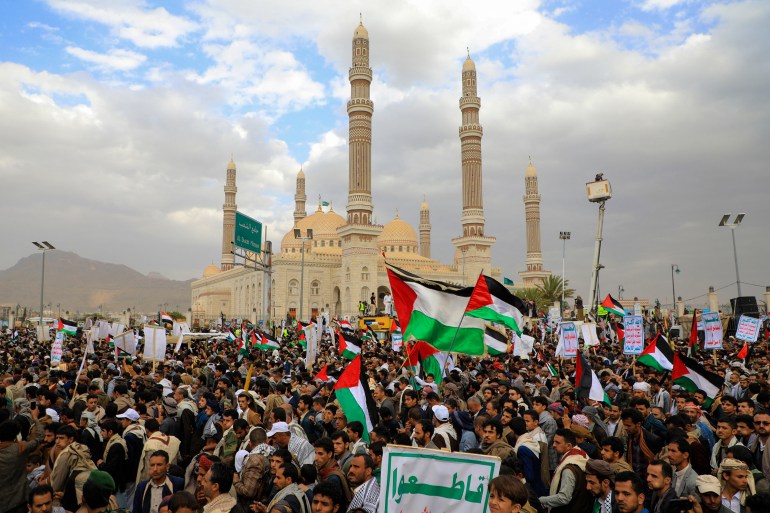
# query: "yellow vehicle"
380,325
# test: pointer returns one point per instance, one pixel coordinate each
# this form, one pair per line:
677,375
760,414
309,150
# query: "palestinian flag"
164,317
744,352
68,327
431,360
693,341
493,302
432,311
587,384
230,336
349,346
263,341
496,342
620,333
322,375
355,398
658,354
612,306
691,376
242,351
551,369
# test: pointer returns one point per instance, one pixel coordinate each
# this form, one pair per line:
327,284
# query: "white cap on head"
278,427
129,414
441,412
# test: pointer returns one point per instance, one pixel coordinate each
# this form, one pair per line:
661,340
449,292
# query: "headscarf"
92,424
729,464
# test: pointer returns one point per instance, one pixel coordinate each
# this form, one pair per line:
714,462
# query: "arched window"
364,273
365,294
347,274
315,288
323,243
293,287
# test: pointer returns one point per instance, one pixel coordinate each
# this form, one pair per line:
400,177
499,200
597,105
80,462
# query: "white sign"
116,329
637,309
748,328
57,349
522,346
398,340
712,327
104,329
126,342
154,343
568,340
420,480
590,338
634,334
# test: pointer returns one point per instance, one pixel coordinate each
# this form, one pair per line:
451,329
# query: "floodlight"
724,219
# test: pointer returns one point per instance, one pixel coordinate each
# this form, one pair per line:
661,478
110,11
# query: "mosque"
343,261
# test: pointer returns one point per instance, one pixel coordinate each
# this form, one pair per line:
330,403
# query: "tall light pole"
733,226
674,269
45,246
299,237
599,191
564,237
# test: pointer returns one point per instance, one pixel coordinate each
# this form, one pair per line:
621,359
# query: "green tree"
550,289
531,294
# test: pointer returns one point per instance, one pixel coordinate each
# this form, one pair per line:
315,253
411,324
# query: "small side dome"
211,270
361,32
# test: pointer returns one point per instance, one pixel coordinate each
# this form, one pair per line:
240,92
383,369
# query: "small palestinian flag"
620,332
355,398
658,354
345,325
431,360
612,306
322,375
264,342
691,376
230,336
68,327
349,346
496,342
744,352
164,317
242,351
587,384
693,341
493,302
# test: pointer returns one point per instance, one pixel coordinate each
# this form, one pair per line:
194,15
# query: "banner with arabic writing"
425,480
712,327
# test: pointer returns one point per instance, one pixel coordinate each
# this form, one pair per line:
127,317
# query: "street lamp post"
564,236
45,246
733,226
599,191
674,269
299,237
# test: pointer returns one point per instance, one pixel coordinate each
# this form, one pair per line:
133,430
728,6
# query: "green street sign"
248,233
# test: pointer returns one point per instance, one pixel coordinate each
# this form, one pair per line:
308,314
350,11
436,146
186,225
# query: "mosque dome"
469,65
324,226
531,172
398,236
211,270
361,32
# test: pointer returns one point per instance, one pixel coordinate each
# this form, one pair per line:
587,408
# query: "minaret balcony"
360,73
360,104
471,130
470,101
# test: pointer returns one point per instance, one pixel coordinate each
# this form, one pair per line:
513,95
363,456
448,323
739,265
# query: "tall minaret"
300,198
473,252
360,110
534,273
425,229
360,253
228,218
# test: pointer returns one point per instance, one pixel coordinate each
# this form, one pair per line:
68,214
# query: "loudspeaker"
745,305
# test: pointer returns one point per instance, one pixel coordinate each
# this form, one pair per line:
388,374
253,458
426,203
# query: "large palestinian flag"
496,342
68,327
691,376
612,306
658,354
434,312
587,384
355,397
431,360
493,302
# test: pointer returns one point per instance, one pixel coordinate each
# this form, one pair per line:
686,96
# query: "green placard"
248,233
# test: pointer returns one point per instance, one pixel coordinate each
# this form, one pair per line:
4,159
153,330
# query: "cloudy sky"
118,119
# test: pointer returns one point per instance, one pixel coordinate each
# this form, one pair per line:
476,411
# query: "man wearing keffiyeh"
600,480
737,483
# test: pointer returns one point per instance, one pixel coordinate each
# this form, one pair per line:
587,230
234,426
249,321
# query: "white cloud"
130,20
660,5
121,60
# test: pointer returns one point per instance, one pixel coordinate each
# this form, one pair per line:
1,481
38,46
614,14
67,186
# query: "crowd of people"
213,430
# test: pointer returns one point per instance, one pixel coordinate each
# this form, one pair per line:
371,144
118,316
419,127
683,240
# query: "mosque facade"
343,262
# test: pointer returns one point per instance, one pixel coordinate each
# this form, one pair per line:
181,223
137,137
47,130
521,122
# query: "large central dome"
324,226
398,236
